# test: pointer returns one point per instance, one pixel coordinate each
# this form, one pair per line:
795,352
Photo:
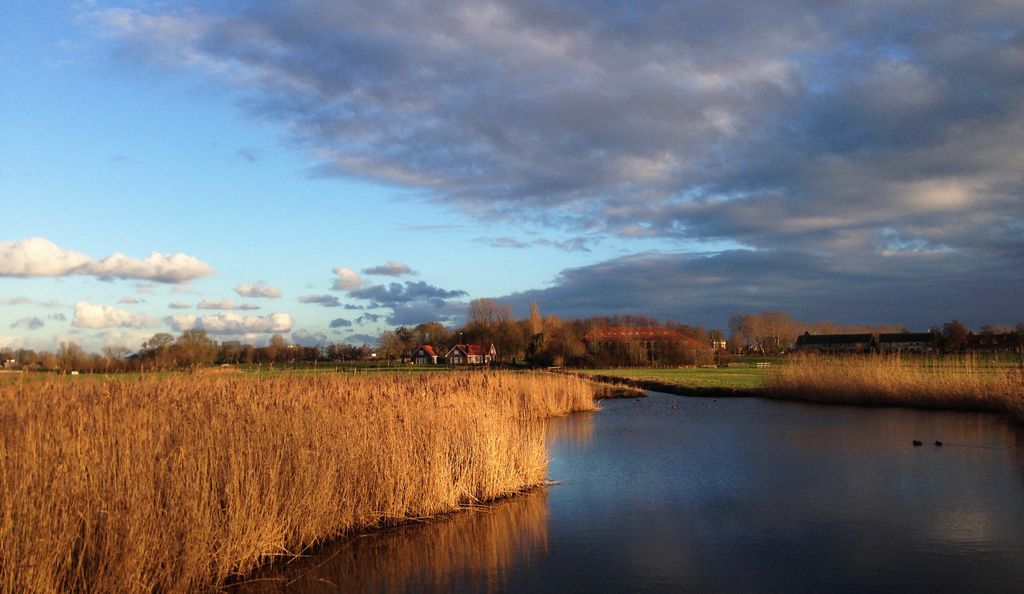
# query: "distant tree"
488,311
70,356
536,322
194,348
954,337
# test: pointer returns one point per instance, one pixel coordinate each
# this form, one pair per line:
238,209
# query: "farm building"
835,343
907,342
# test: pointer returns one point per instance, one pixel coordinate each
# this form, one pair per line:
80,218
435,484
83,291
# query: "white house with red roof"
472,354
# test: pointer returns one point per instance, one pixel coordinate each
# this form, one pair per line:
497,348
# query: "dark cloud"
340,323
31,323
324,300
369,318
396,294
361,339
59,317
917,289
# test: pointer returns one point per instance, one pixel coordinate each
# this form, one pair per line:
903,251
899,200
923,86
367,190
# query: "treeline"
537,340
192,349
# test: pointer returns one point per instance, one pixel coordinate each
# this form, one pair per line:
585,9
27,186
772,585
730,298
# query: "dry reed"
935,382
180,483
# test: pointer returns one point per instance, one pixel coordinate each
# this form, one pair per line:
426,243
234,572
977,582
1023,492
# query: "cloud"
910,288
820,129
178,305
19,300
576,244
128,300
91,315
340,323
306,338
347,279
390,269
59,317
395,293
369,318
36,256
361,339
233,323
258,289
161,268
32,323
225,304
249,154
324,300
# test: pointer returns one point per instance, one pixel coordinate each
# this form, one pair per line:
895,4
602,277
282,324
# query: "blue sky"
856,163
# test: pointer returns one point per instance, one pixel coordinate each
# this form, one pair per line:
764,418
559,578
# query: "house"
426,355
907,342
835,343
994,343
651,344
471,354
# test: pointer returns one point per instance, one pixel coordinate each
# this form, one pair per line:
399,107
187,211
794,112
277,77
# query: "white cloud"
347,279
36,256
225,304
258,289
233,323
93,315
163,268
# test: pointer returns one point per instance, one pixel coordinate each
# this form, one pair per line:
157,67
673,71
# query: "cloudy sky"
327,169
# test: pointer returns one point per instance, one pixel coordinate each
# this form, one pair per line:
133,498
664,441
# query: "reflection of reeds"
473,550
178,483
964,383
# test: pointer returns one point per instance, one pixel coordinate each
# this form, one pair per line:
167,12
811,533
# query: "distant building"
835,343
907,342
426,355
995,343
471,354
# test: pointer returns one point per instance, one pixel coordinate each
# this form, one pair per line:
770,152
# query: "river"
670,494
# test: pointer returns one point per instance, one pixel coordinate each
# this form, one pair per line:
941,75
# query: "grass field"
736,378
178,482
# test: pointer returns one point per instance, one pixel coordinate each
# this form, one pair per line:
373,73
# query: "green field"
738,378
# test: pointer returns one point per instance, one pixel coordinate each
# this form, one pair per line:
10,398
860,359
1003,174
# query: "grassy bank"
180,483
968,383
711,381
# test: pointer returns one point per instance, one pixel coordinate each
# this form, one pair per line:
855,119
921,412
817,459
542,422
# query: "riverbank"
180,483
957,383
951,382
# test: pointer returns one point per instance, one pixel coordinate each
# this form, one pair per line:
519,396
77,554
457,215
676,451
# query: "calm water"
669,494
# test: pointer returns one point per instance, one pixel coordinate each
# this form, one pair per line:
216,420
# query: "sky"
330,169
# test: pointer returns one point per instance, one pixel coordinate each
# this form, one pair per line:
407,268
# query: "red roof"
473,349
428,349
639,334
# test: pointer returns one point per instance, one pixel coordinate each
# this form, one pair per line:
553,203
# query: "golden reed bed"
939,382
180,483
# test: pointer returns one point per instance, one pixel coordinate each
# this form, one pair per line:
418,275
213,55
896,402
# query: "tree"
194,348
488,311
954,337
536,322
70,356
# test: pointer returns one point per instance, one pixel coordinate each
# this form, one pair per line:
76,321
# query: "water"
669,494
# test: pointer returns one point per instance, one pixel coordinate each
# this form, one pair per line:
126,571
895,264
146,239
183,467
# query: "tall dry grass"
180,483
930,382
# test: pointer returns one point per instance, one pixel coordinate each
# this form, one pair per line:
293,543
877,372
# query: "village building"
995,343
472,354
651,344
907,342
835,343
426,355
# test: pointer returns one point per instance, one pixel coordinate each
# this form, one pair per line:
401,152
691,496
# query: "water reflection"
668,494
471,550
